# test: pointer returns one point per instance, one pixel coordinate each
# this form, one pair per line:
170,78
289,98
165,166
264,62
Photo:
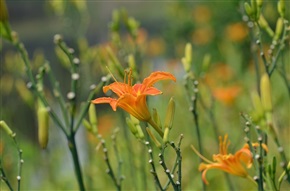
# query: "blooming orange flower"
233,164
132,99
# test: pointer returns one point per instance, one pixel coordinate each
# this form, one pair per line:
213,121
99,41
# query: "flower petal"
118,88
111,101
156,76
141,90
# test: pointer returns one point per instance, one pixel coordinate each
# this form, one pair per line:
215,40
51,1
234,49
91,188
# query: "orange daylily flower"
132,99
234,164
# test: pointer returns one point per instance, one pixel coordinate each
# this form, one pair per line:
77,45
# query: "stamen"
200,156
111,74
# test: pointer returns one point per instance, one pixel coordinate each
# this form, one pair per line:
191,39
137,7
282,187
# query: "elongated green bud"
87,125
169,114
188,52
156,118
7,129
166,135
139,133
266,97
281,8
264,25
134,120
249,10
151,135
43,126
187,59
254,8
279,28
131,126
206,62
259,111
3,11
93,118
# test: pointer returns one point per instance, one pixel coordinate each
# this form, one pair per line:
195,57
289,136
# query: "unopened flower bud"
259,112
279,28
140,134
87,125
156,118
264,25
3,11
93,118
7,129
131,126
281,8
169,114
166,135
266,97
187,59
249,10
43,126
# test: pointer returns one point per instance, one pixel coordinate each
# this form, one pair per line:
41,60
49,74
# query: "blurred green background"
216,30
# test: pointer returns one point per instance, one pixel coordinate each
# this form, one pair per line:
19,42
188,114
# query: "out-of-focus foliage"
116,36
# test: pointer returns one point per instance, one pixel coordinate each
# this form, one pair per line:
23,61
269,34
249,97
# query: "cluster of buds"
253,9
263,107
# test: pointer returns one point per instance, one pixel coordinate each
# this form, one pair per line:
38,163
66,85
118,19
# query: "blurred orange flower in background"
237,32
227,94
221,83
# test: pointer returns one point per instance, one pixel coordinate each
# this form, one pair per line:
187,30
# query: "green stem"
77,168
155,126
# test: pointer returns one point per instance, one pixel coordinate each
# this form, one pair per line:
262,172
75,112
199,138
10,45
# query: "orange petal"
118,88
156,76
111,101
141,90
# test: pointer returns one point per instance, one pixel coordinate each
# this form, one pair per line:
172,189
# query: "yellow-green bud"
43,126
188,52
87,125
249,10
7,129
169,114
156,118
134,120
93,118
266,97
3,11
166,135
93,114
259,112
264,25
206,62
281,8
139,133
187,59
279,28
131,126
151,135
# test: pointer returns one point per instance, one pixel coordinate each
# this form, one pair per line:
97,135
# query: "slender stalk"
77,168
151,162
155,126
166,170
4,177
